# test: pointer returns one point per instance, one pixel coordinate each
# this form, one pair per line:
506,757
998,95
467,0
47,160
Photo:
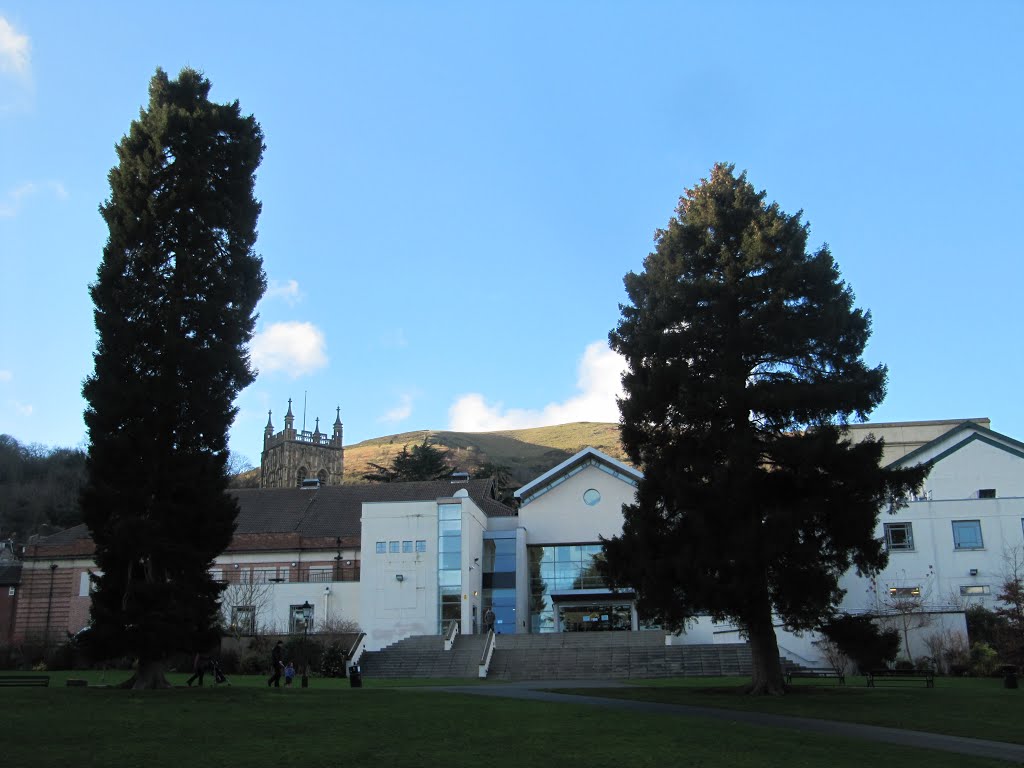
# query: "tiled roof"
336,510
68,536
327,512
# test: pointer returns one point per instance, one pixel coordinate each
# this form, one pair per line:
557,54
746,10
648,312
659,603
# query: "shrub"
253,664
301,651
333,662
863,641
984,660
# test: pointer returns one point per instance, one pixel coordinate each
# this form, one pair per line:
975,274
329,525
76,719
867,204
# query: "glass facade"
499,580
559,569
449,563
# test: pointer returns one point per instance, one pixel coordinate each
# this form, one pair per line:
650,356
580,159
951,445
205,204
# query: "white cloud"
23,409
6,376
294,347
287,290
599,381
12,201
14,50
400,412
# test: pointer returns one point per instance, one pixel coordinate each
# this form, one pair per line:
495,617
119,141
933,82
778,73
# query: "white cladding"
562,516
398,591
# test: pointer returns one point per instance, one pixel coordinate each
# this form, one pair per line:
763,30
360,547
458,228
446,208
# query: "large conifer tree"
175,300
744,365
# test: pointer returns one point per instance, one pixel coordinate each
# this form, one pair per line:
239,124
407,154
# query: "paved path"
534,691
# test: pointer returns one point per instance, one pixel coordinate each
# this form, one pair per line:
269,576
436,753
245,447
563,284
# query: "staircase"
425,657
568,656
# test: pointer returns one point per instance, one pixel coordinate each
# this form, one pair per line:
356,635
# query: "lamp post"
307,616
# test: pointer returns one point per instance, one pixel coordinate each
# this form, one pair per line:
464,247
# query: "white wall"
391,609
560,516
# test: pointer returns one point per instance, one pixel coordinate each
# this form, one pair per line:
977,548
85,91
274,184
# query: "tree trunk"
764,650
149,676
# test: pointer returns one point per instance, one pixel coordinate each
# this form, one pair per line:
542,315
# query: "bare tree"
906,605
242,605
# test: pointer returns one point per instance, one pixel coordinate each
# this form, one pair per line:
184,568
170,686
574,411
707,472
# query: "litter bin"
1009,676
355,676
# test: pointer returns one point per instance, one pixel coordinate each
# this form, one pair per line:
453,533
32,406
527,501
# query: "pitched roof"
952,441
336,510
326,512
588,456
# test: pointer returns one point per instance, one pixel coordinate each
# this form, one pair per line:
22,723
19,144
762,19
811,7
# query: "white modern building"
407,559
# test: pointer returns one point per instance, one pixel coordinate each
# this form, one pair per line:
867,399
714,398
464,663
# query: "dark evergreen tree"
744,365
422,462
175,299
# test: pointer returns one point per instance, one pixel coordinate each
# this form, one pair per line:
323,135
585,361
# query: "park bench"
823,673
11,681
902,675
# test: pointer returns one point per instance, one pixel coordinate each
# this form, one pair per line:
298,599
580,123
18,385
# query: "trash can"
355,676
1009,676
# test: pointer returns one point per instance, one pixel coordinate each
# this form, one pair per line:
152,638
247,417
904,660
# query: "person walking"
289,673
276,665
198,669
488,620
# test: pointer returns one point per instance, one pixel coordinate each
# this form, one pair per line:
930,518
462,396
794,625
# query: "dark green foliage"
332,662
504,490
744,364
175,297
984,626
860,639
39,488
423,462
1011,610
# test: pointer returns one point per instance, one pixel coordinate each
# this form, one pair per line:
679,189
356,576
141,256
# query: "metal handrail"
485,659
450,634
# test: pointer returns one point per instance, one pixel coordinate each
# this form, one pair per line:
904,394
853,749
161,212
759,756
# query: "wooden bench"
11,681
902,675
822,673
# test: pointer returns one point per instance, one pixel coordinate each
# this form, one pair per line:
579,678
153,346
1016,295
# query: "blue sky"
452,192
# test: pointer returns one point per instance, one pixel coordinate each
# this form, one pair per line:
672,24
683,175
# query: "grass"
246,724
973,707
330,724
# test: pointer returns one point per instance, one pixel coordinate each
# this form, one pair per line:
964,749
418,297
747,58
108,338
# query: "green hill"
526,453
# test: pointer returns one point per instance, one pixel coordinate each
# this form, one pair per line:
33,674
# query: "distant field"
332,725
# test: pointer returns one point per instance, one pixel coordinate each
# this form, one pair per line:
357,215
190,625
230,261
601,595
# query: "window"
905,591
393,547
407,547
967,534
974,589
297,618
986,493
382,547
243,619
421,545
264,575
899,537
591,497
10,591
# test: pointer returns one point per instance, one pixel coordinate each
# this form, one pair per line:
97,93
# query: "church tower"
291,457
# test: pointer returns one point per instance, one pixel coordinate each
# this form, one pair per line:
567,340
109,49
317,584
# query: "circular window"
591,497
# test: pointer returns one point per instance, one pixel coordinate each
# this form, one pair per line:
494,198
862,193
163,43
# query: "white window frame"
908,529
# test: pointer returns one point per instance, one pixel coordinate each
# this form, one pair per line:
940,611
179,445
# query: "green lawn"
975,707
330,724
